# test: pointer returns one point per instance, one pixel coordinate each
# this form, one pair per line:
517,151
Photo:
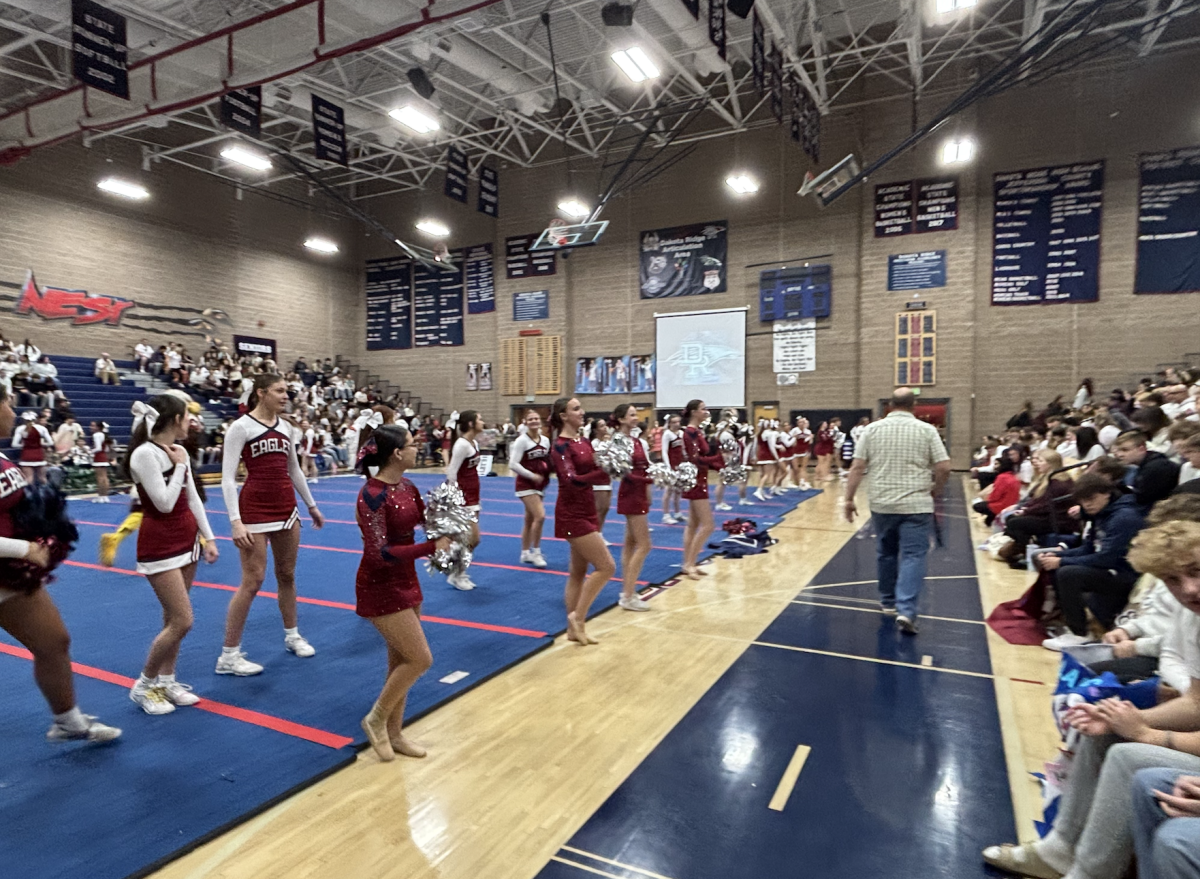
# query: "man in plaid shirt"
906,467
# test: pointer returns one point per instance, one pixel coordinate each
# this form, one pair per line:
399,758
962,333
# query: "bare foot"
573,629
690,573
406,747
376,730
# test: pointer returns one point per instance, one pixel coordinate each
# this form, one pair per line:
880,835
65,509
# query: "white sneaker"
633,603
759,494
298,645
746,502
668,519
95,732
152,699
237,664
536,558
804,486
312,481
606,543
1070,639
178,693
526,557
461,582
722,507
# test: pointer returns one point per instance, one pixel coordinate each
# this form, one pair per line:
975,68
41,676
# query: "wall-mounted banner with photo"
485,376
589,375
472,376
684,260
642,373
616,375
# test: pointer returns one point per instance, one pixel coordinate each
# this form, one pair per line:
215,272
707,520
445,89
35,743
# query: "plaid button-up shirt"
900,452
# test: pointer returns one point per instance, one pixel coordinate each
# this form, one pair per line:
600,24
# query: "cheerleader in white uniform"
100,449
728,430
529,460
462,471
787,454
32,438
264,513
802,437
602,491
168,545
672,456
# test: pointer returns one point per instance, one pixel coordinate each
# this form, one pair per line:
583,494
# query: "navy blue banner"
480,273
520,262
98,48
1046,234
489,192
917,271
437,307
794,293
456,175
908,206
684,260
693,6
716,25
1168,250
389,303
775,73
758,53
329,131
241,110
534,305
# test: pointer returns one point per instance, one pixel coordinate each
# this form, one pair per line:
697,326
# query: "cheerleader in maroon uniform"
264,513
32,438
575,515
823,449
388,593
31,617
803,440
100,447
168,544
463,471
672,456
633,502
700,518
602,491
529,460
765,458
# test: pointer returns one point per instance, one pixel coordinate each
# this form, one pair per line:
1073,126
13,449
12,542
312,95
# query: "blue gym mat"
199,772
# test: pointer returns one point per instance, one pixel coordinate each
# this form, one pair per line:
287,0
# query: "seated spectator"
1097,567
1190,450
106,370
28,350
142,352
1092,835
1085,443
1036,514
1177,433
68,433
1155,475
158,360
1154,423
1166,804
43,381
1004,491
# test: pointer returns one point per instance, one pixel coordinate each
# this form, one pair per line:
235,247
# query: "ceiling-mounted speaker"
420,82
740,8
617,14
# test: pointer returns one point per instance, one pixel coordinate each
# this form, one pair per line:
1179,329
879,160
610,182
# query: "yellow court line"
865,582
953,671
924,616
585,867
788,782
579,851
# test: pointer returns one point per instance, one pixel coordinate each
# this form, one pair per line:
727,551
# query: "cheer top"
824,443
464,469
528,459
575,509
173,517
32,440
387,515
632,497
696,450
99,449
672,448
803,440
266,502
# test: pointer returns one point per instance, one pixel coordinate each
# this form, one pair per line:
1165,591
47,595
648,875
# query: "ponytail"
378,450
166,408
691,407
466,421
556,413
262,381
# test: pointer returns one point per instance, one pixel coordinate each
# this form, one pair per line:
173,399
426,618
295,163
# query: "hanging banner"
693,6
519,262
241,110
329,131
250,346
758,59
456,175
389,303
775,68
794,346
683,261
810,128
437,307
1046,234
796,104
489,192
1168,248
909,206
99,52
716,25
479,269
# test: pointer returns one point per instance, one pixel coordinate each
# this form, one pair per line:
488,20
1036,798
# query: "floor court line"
864,582
245,715
788,782
603,860
322,602
924,616
875,659
585,868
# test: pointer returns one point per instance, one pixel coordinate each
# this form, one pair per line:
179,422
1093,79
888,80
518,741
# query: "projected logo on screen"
705,359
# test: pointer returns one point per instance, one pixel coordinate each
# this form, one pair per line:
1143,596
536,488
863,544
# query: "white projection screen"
701,354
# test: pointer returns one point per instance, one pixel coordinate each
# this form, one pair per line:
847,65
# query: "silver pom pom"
685,476
663,476
615,455
446,516
735,474
729,446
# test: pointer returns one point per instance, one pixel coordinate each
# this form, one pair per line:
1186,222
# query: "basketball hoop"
555,231
441,253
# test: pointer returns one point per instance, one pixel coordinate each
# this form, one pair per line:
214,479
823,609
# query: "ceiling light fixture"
321,245
741,183
635,64
249,158
944,6
435,228
123,188
574,208
956,152
411,117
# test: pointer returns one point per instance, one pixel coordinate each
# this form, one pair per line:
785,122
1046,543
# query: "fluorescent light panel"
249,158
434,228
956,152
413,118
635,64
944,6
123,188
742,183
321,245
573,207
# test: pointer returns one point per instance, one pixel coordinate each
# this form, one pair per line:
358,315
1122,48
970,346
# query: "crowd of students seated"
1101,499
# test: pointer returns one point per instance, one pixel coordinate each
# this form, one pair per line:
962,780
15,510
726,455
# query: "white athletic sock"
291,633
72,720
230,651
163,680
144,682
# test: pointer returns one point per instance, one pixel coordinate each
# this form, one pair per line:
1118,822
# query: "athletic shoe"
633,603
906,625
108,548
744,502
1020,859
178,693
669,520
237,664
298,645
804,486
606,543
759,494
95,732
461,582
722,507
312,481
152,699
536,558
1070,639
526,557
888,609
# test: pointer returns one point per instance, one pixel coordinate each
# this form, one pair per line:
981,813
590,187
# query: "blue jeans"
1167,848
901,544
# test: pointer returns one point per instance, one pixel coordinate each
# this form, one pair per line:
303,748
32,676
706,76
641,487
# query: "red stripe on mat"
257,718
1027,681
340,605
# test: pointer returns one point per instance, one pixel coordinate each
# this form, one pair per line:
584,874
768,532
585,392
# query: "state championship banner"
684,260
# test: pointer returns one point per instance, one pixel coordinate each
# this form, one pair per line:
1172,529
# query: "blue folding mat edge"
172,783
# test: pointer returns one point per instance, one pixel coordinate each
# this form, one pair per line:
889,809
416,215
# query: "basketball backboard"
564,237
828,182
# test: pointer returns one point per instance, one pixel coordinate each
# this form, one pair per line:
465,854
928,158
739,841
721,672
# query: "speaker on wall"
420,82
617,14
740,8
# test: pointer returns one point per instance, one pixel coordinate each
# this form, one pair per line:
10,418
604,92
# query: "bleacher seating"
92,401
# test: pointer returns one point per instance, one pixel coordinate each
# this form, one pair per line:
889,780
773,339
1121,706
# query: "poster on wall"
684,260
480,273
389,304
98,48
1168,248
794,345
917,271
915,206
589,375
472,376
437,307
1046,234
916,348
616,374
531,305
485,376
795,292
252,346
642,373
519,262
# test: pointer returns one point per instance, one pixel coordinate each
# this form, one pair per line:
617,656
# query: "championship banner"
775,67
489,192
810,127
758,54
684,260
456,175
716,25
249,346
241,110
1168,245
98,48
329,131
693,6
796,121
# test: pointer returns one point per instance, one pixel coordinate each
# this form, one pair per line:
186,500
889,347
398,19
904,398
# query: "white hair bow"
143,414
